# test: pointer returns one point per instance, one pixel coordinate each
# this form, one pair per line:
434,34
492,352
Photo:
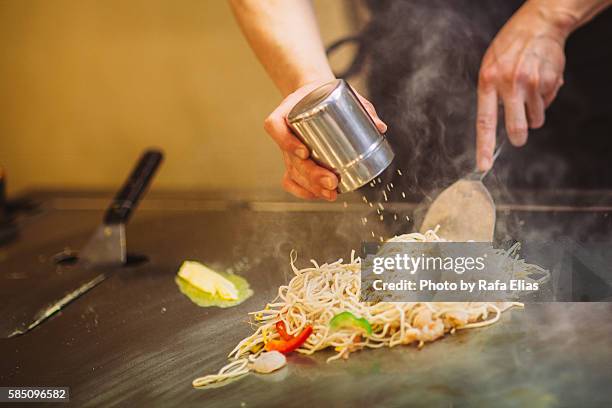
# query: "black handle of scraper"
134,188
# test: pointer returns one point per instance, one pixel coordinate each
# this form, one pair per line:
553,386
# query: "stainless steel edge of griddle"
341,135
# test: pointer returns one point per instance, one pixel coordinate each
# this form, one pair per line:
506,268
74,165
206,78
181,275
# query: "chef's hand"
303,177
523,70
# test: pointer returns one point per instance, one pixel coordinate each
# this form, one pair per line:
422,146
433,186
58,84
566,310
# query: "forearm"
285,37
568,15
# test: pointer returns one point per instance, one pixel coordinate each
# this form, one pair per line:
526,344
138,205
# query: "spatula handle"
480,175
134,188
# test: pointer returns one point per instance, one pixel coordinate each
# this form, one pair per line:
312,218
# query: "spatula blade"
464,211
106,247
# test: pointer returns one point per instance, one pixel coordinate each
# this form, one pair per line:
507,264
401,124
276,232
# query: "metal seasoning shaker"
340,134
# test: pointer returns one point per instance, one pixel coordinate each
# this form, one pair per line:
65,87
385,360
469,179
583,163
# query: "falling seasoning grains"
381,239
345,204
391,184
365,199
379,180
407,219
395,217
364,220
372,184
388,188
382,217
399,172
385,195
373,236
378,211
371,205
403,194
380,206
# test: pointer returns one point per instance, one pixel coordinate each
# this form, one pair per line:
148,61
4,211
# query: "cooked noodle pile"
316,294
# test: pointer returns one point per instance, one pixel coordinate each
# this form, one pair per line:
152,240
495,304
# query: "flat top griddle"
135,340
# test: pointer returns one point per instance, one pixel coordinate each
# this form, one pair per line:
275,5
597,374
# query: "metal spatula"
34,300
465,210
107,245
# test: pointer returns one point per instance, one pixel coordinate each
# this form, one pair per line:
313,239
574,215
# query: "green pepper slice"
347,320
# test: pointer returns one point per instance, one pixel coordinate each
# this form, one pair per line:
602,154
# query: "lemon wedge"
207,280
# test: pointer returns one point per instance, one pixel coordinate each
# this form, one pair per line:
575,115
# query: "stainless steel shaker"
340,134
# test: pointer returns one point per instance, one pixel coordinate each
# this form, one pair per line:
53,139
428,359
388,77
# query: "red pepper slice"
287,346
282,331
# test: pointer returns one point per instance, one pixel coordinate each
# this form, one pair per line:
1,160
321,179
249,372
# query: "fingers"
276,127
318,181
550,96
380,125
304,178
522,67
486,125
516,119
306,185
292,187
317,175
535,110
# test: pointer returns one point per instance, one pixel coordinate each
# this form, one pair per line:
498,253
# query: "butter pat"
207,280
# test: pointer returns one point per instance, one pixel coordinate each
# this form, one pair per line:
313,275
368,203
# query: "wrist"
562,17
312,78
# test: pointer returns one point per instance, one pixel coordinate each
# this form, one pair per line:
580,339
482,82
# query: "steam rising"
423,59
424,62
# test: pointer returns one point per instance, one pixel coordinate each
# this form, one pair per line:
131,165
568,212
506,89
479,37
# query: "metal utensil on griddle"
107,245
465,210
104,253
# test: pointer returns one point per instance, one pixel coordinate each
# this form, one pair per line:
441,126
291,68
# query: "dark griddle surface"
135,340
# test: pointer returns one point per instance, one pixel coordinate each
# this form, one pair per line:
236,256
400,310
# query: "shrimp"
422,318
268,362
411,336
455,318
433,330
430,329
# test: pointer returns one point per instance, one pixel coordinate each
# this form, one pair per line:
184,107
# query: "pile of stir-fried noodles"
329,293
